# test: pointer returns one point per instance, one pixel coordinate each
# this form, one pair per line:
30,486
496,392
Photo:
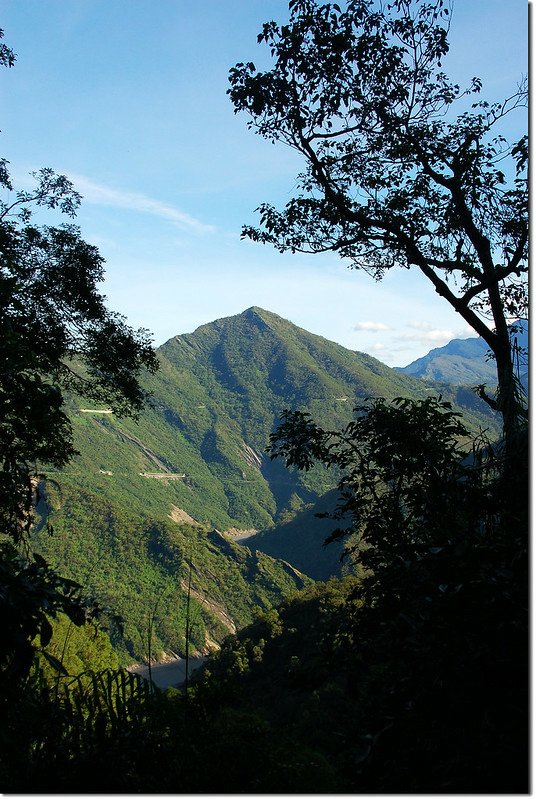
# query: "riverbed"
169,674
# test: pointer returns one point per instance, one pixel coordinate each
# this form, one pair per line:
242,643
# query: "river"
171,673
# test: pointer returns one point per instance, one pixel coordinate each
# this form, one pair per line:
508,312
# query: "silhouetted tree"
56,334
438,649
393,177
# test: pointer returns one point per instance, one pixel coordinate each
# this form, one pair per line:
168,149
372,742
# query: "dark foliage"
402,166
74,735
30,593
55,334
436,654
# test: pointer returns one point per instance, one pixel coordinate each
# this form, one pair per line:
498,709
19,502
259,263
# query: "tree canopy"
405,168
56,334
437,644
402,166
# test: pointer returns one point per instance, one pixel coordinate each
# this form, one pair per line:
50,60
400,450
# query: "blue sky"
128,98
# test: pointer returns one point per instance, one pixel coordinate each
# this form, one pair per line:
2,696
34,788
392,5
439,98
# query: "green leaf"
55,663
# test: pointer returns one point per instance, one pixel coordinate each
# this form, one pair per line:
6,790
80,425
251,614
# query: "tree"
438,645
56,334
393,177
406,484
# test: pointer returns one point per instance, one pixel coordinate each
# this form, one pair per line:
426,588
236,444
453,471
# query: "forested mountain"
301,541
145,498
408,672
465,361
216,399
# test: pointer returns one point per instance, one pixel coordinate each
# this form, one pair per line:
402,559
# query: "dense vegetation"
411,677
203,440
138,567
423,690
215,400
408,674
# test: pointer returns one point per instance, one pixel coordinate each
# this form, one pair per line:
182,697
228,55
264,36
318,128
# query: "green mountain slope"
301,541
143,497
216,399
138,566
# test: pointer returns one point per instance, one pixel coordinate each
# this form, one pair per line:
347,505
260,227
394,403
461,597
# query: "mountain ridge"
467,361
139,501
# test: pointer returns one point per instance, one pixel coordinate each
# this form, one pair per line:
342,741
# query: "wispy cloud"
371,327
100,194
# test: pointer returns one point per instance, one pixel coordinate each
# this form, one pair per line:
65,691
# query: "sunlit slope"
200,447
142,568
144,497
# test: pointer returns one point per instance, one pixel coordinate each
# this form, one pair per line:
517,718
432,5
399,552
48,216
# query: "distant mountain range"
466,361
148,503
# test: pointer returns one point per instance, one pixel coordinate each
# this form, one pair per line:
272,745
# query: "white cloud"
105,195
377,347
430,335
434,336
371,327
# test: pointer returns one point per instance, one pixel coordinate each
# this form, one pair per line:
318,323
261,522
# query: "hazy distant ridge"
465,361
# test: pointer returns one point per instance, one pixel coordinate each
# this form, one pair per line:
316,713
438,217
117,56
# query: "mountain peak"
463,361
255,309
255,312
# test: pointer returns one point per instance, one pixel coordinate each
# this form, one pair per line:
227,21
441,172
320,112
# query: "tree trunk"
507,394
508,400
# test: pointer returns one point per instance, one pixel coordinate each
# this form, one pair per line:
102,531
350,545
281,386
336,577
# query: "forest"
371,635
